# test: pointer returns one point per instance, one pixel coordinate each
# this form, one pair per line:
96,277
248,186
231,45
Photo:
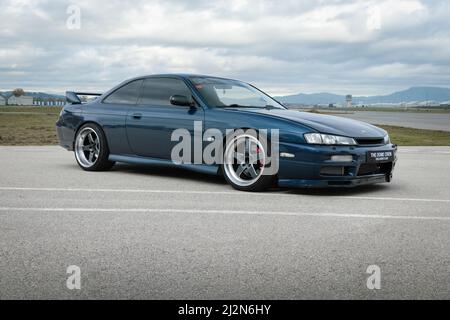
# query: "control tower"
348,100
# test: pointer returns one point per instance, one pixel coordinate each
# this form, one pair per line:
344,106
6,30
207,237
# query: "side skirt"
202,168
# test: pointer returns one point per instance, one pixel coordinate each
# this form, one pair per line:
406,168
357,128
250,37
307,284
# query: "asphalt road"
157,233
430,121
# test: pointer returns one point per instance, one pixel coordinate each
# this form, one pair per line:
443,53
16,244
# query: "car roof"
165,75
179,75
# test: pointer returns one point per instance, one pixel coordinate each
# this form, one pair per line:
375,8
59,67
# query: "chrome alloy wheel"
87,147
244,160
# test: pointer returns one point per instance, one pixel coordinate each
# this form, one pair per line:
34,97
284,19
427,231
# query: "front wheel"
244,164
91,149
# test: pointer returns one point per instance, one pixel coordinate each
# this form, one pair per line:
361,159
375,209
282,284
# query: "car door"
151,122
111,113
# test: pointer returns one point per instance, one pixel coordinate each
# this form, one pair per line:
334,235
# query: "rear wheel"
244,164
91,149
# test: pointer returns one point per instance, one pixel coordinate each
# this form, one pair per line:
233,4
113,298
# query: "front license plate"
380,156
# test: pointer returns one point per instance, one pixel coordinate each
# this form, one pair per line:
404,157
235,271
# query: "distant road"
431,121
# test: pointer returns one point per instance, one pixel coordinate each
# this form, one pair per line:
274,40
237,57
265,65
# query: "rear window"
128,94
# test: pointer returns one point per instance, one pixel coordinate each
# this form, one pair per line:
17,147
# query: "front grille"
369,141
332,171
367,169
336,171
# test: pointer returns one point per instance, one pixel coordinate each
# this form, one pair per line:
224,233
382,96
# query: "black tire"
100,160
262,183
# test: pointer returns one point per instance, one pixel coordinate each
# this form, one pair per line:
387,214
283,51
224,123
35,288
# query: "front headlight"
319,138
387,140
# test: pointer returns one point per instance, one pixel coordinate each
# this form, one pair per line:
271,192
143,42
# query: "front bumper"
306,168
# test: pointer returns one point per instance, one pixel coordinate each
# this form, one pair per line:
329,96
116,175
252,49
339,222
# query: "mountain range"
41,95
411,95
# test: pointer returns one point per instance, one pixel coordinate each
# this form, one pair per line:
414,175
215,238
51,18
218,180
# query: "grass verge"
417,137
28,125
36,126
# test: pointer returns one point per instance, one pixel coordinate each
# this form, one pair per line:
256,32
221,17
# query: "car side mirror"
179,100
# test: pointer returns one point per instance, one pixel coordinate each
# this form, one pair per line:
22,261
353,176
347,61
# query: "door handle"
137,115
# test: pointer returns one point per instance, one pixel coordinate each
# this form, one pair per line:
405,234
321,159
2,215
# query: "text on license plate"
380,156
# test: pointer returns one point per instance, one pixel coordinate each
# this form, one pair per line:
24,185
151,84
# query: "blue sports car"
180,119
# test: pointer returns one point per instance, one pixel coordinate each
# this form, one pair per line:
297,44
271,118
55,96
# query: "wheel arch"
82,124
225,136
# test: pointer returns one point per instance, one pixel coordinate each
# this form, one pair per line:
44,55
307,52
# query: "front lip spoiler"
342,183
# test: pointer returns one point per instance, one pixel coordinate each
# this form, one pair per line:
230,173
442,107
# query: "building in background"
20,101
31,99
348,100
49,101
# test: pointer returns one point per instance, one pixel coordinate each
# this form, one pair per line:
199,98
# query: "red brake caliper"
260,162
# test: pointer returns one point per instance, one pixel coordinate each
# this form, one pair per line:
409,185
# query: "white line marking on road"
122,190
235,193
244,212
394,199
409,151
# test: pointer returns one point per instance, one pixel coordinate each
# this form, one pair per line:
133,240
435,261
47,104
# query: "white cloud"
284,46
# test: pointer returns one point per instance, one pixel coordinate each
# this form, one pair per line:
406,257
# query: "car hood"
322,123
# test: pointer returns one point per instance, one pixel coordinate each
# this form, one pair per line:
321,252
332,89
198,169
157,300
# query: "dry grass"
36,126
28,126
417,137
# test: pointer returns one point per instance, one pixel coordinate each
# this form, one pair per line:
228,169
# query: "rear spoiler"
73,97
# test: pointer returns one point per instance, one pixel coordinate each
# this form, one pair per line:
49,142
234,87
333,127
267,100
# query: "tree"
18,92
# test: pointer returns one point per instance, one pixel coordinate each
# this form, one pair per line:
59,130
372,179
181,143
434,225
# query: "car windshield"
222,93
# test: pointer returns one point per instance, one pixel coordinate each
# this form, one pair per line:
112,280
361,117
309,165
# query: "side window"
157,91
128,94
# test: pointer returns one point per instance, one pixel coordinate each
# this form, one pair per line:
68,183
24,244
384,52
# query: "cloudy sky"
284,47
